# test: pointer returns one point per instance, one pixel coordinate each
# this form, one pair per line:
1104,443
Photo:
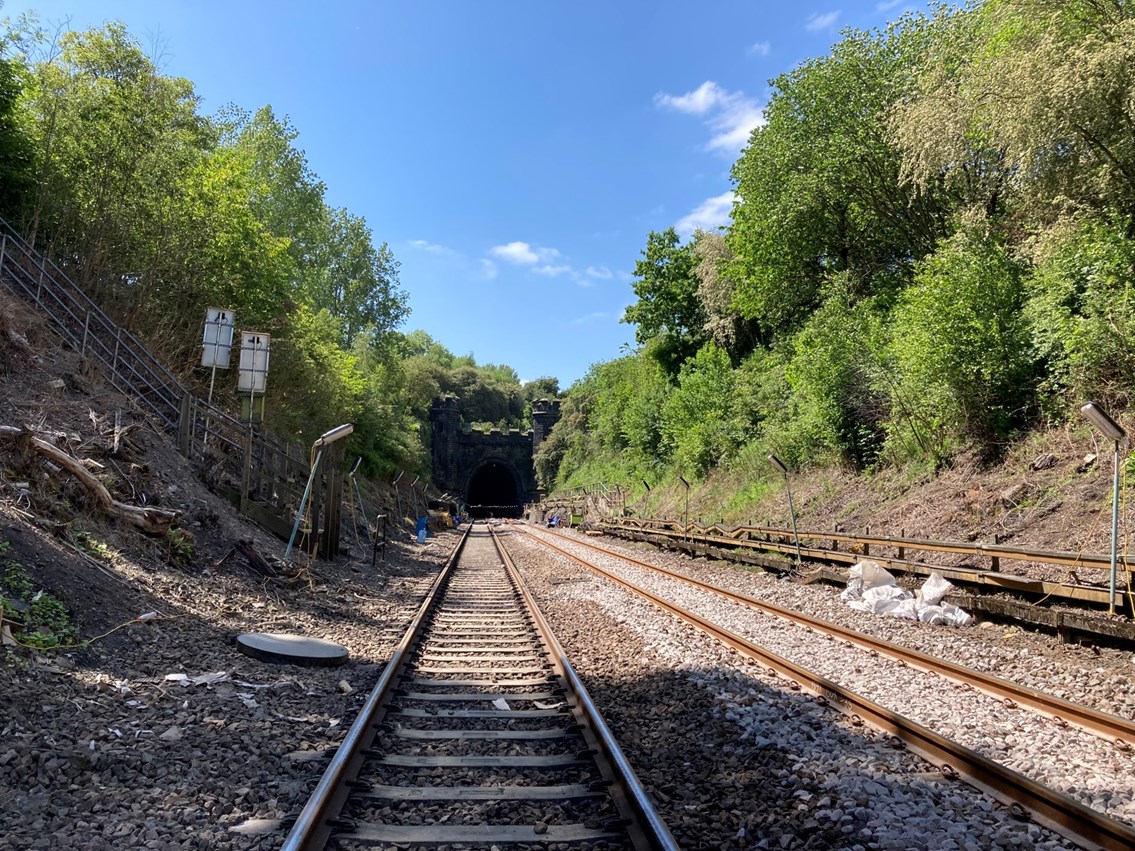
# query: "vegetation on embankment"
159,211
930,261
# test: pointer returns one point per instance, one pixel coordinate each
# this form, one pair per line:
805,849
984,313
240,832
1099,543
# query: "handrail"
130,366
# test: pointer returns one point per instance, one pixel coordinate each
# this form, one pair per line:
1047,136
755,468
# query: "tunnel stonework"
488,465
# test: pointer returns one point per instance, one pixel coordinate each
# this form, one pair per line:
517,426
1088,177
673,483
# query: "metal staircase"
271,473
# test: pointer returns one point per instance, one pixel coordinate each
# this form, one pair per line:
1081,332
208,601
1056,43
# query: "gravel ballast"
800,761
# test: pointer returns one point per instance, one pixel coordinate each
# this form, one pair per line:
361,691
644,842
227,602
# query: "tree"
716,289
839,407
17,155
1034,96
699,423
819,189
961,349
667,311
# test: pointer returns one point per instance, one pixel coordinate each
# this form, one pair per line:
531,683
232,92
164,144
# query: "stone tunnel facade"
491,472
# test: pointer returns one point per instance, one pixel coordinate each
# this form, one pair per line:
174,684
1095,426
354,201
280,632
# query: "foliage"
667,311
699,421
17,155
1036,94
180,547
1081,313
45,619
961,348
837,357
819,185
716,289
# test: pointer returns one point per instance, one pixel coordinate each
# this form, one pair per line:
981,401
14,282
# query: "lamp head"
776,462
1108,427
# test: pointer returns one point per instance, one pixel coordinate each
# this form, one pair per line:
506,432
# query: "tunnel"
492,492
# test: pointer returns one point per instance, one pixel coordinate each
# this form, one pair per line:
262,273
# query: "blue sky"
513,155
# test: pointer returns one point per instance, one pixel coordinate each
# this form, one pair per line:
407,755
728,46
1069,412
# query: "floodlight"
1098,417
337,433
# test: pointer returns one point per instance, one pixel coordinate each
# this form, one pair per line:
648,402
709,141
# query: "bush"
963,360
699,421
1081,313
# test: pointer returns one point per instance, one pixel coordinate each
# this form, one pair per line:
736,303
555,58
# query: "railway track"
478,734
1088,828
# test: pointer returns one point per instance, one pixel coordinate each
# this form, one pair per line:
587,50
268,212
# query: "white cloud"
524,254
887,5
600,272
708,215
515,252
423,245
488,269
731,116
762,48
822,22
551,271
698,102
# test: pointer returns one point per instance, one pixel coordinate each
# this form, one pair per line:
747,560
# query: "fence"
263,475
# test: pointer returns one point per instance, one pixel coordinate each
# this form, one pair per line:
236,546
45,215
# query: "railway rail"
1085,826
752,540
479,733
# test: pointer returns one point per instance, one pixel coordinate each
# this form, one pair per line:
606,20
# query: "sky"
513,155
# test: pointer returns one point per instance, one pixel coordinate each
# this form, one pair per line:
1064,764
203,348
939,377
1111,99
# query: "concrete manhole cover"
291,649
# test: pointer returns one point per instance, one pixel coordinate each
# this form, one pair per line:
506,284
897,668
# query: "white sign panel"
218,337
253,362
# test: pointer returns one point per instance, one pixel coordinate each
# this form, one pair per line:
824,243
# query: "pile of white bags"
870,588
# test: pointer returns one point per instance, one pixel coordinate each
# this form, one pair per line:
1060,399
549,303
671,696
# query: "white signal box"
218,338
253,362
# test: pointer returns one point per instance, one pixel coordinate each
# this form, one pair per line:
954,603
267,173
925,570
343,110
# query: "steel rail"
650,828
975,575
1107,726
1061,813
312,829
995,551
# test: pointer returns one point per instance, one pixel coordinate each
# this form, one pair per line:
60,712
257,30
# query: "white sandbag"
934,589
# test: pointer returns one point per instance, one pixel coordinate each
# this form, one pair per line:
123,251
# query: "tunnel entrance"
492,492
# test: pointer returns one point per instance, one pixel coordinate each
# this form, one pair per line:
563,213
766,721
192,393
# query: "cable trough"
478,734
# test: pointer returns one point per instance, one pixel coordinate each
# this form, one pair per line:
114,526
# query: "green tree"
837,358
667,311
17,155
819,184
1033,96
961,350
699,422
1081,313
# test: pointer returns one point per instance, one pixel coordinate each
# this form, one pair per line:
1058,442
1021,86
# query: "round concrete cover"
292,649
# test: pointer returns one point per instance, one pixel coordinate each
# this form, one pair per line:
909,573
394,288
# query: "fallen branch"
254,559
152,521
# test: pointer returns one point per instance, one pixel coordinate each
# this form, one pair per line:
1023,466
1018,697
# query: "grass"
46,622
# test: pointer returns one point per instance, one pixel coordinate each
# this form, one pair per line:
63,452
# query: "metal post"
114,361
246,471
185,425
3,249
1114,525
212,380
39,286
686,517
86,332
792,514
398,496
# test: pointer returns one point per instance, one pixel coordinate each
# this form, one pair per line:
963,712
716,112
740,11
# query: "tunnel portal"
490,472
492,491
